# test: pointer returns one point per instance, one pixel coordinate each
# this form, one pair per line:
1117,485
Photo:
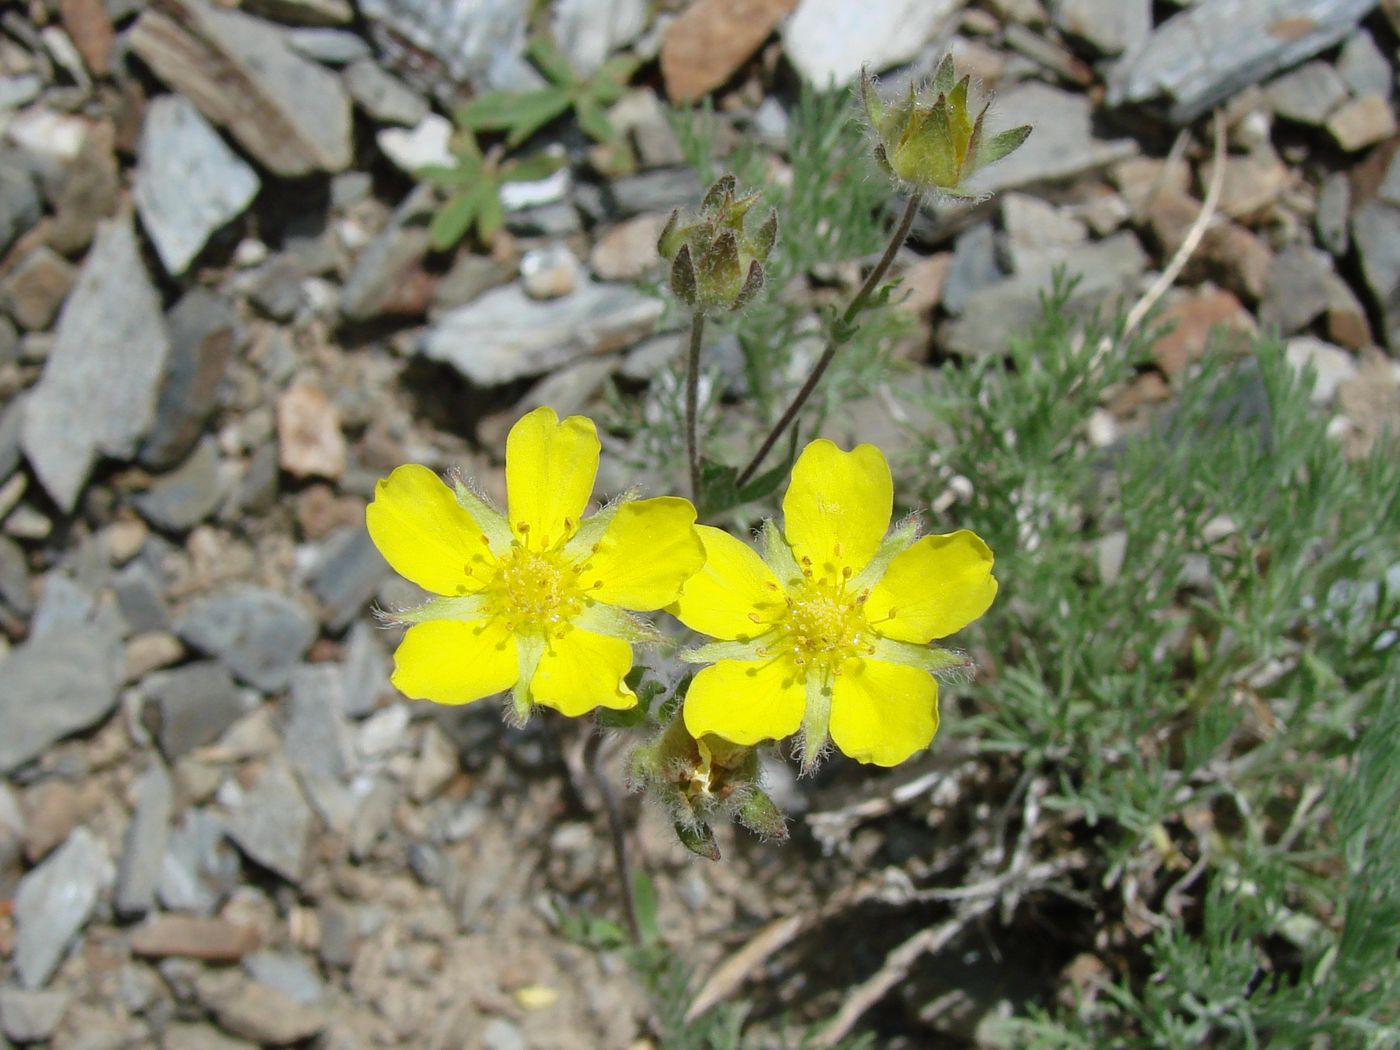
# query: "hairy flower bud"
716,263
928,140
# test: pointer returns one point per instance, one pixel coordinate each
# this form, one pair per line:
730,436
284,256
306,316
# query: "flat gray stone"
190,706
994,314
141,598
187,495
482,42
1308,94
258,634
1111,26
1295,292
347,575
974,266
143,847
14,578
315,735
199,864
505,334
372,820
1375,231
333,47
365,671
97,394
383,97
1333,208
188,183
589,31
828,41
56,684
1363,66
1207,53
287,111
290,974
204,336
273,824
19,202
32,1016
53,903
388,262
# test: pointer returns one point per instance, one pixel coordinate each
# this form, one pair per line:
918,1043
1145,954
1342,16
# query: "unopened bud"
716,264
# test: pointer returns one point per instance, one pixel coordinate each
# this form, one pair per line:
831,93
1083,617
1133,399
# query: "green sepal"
816,721
529,649
699,838
465,608
758,813
944,76
613,622
998,146
905,532
927,658
713,652
592,529
491,521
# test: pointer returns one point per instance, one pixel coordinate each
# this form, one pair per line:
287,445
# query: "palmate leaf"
532,168
445,176
454,219
520,114
490,216
593,120
548,59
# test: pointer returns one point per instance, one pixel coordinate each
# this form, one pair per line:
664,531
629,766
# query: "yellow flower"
935,143
829,631
532,602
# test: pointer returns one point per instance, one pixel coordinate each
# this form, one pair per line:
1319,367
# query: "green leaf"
453,219
532,168
490,214
445,176
521,114
617,71
644,902
594,121
718,489
550,61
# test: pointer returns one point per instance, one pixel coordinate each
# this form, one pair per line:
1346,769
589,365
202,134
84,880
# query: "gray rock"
502,1034
56,684
1331,366
974,266
188,183
1205,54
1062,145
54,901
290,974
588,31
1364,67
1295,292
372,820
1389,189
204,336
14,578
273,824
19,202
1038,235
143,848
141,598
1111,26
389,263
315,735
32,1016
481,42
1307,94
347,575
11,434
383,97
199,864
190,706
257,491
259,1012
505,334
333,47
1375,230
11,828
187,495
548,220
1333,207
340,929
256,633
64,606
366,671
992,315
287,111
108,356
828,41
651,191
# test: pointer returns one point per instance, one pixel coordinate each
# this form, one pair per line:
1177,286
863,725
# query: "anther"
755,617
846,572
522,526
836,547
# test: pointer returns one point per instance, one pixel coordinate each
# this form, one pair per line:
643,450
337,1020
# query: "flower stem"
692,401
592,758
837,339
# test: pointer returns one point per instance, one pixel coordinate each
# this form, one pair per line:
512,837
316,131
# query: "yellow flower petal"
454,662
550,468
746,701
883,713
425,534
837,507
648,552
581,671
733,587
936,587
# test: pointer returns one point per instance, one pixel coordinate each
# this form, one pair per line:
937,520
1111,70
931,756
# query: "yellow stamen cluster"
823,623
535,591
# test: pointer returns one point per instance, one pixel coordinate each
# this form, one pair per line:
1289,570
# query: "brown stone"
1251,185
1235,258
1170,214
627,250
36,287
190,937
1371,401
1196,318
52,810
309,441
711,40
1140,179
1362,122
320,512
90,30
1347,324
90,192
922,284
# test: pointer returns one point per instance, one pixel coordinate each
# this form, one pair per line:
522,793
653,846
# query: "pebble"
143,847
388,277
1110,26
290,974
1331,365
188,183
291,114
708,42
273,824
373,816
35,288
141,598
189,937
364,678
309,441
436,766
188,494
1363,66
54,901
199,864
1307,94
427,142
32,1016
150,652
52,811
200,1037
588,31
261,1013
1333,207
315,735
1194,318
505,334
108,356
549,272
19,201
11,827
1362,122
349,570
14,577
1375,231
190,706
829,41
332,47
1296,291
628,250
481,43
382,96
258,634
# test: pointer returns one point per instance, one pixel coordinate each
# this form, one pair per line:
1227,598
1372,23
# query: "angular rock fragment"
188,494
143,848
98,391
1375,231
190,706
287,111
830,40
258,634
273,824
711,39
53,903
188,937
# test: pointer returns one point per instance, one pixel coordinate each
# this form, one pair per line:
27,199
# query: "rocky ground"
221,320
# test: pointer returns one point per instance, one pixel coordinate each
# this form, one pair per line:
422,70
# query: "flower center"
535,590
824,625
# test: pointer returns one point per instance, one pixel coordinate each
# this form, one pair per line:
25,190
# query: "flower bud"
716,263
928,140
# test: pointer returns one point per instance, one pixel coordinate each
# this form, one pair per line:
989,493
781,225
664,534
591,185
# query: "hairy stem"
692,401
837,339
592,758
